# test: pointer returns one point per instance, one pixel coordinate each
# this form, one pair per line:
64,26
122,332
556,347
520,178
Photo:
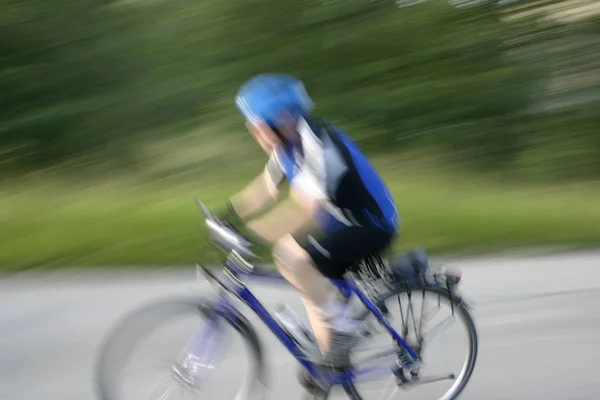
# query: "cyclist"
334,191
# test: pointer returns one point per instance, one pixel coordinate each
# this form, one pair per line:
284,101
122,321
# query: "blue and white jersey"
331,168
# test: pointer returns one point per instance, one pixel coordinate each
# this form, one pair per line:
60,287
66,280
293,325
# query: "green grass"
51,223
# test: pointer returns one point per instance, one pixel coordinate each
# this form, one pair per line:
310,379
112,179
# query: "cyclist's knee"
287,253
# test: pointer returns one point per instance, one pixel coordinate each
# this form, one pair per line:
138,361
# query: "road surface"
538,319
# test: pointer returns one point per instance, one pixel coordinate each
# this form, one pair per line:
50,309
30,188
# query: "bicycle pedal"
316,393
306,380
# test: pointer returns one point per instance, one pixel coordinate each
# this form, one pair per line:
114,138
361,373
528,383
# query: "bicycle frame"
236,286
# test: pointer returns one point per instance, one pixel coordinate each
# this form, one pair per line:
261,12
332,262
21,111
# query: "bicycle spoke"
426,316
391,352
428,322
411,317
394,388
184,392
154,336
439,326
422,314
165,395
412,312
404,322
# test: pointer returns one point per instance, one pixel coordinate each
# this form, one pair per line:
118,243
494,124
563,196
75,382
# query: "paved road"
538,320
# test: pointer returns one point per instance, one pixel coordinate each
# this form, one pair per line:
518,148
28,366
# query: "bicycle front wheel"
187,362
420,315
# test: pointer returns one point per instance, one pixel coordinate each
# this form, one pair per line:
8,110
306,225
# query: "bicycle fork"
200,355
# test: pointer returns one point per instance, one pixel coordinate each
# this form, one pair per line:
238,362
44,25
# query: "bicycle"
370,282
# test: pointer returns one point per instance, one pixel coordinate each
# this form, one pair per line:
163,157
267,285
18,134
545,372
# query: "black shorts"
334,253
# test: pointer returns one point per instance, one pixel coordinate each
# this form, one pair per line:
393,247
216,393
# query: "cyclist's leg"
296,266
318,322
309,264
332,255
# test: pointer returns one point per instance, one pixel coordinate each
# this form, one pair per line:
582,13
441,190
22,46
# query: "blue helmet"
265,97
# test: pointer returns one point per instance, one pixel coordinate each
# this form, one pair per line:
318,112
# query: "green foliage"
90,79
563,145
399,73
53,78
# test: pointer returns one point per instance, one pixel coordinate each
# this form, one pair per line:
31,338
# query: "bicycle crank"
403,382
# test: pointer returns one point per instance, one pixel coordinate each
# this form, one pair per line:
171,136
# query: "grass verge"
51,223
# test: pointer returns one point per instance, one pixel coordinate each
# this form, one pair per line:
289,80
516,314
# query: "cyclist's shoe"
316,393
307,381
341,343
314,390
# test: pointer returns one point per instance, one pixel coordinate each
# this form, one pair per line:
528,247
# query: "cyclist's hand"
227,213
235,229
227,217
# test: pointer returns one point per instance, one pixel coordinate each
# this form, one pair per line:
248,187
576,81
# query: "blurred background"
483,116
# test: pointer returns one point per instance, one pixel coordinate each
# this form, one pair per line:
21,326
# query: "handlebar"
225,237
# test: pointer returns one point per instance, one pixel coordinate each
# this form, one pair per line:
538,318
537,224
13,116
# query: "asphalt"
538,319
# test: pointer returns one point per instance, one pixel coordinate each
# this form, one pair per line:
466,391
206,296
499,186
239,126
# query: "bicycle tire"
460,306
121,340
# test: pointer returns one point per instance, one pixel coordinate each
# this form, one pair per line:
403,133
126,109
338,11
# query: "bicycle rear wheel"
410,303
186,373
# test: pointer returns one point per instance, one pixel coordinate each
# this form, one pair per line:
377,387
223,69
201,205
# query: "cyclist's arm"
298,212
261,192
292,215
